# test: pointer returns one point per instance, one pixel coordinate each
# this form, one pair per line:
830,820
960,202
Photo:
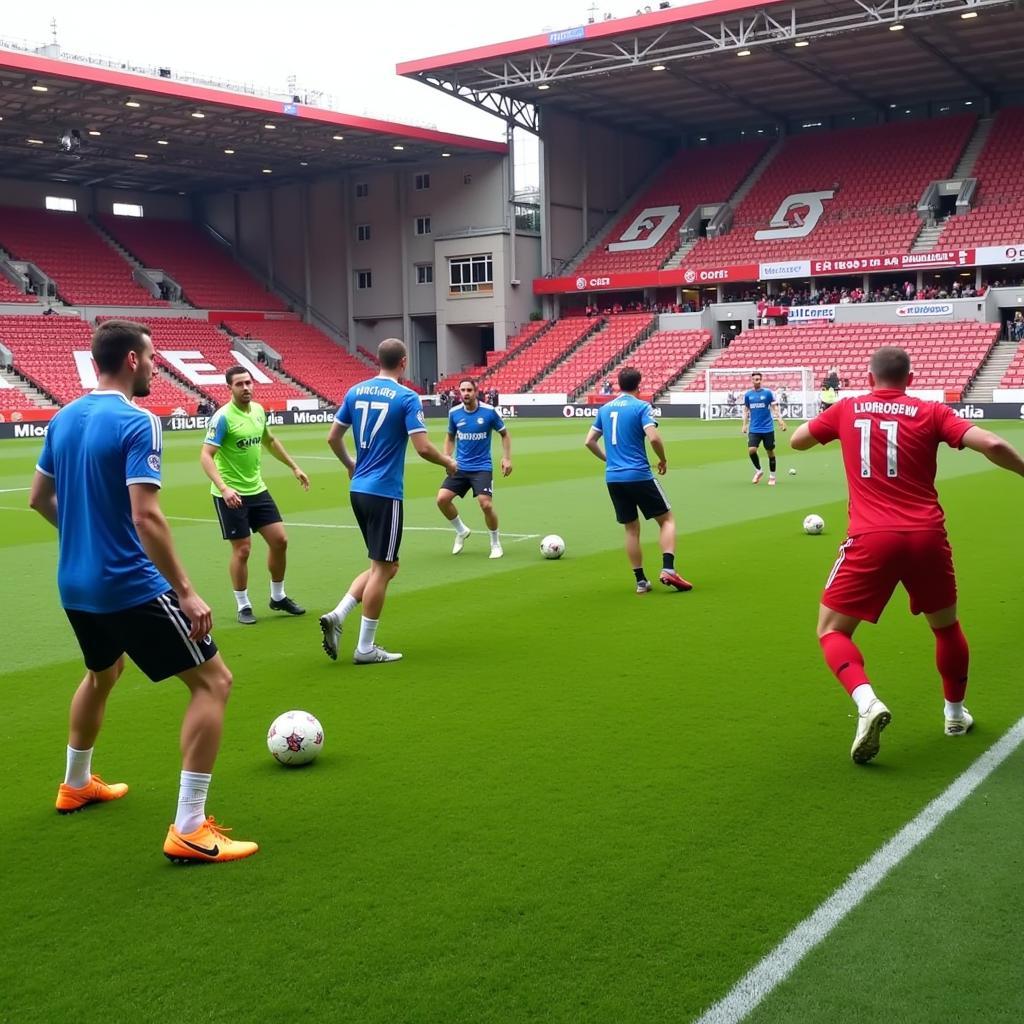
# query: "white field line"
11,490
777,965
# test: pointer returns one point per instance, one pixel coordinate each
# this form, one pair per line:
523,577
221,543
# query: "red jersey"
890,442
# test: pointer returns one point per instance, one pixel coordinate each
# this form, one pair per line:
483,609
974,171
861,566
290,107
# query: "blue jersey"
382,414
472,433
622,422
759,402
95,448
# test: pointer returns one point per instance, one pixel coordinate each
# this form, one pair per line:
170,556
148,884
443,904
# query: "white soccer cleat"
496,551
869,728
960,726
757,476
332,635
771,480
460,541
373,656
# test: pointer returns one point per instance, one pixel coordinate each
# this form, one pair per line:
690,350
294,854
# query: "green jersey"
238,436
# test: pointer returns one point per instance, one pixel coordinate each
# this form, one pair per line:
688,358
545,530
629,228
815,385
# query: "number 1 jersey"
890,443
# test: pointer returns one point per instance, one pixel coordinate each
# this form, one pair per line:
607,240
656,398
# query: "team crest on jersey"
153,461
419,416
480,420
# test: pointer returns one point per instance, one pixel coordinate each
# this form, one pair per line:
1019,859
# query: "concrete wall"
93,200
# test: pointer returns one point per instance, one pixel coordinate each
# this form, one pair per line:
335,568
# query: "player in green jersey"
231,458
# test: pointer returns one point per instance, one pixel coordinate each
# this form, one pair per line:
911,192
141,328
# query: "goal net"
793,387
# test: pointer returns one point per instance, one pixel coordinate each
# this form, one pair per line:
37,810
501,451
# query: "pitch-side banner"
807,314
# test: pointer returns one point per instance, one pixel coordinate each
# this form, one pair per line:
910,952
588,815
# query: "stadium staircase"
661,358
696,371
19,393
536,357
994,371
969,158
928,236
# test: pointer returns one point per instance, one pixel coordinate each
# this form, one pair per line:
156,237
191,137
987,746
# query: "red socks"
844,659
952,656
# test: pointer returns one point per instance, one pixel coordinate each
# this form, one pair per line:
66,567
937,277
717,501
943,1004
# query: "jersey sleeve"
216,430
950,427
143,448
451,424
746,399
647,417
499,423
45,464
344,413
598,425
825,426
414,421
771,397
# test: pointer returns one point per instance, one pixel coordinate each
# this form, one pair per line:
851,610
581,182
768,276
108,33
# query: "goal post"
793,387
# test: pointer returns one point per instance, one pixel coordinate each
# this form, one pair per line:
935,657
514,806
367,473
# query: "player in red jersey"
897,532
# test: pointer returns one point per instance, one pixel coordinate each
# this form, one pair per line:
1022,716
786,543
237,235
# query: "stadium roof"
158,134
744,63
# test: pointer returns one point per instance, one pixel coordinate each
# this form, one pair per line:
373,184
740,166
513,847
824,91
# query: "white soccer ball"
552,546
813,524
295,738
792,471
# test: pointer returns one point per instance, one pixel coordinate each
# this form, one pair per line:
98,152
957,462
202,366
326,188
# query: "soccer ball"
813,524
295,738
792,471
552,546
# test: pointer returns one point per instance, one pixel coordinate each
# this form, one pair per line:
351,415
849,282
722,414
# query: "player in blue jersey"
469,436
625,424
760,410
124,590
383,416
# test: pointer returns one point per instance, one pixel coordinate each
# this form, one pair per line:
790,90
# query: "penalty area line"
774,968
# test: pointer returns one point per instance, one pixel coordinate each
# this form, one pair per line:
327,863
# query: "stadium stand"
9,293
530,330
44,347
69,250
945,356
691,178
309,356
661,359
1014,375
621,332
12,400
998,215
878,174
529,361
209,277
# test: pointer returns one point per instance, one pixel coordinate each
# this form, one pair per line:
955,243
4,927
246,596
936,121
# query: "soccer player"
759,412
231,457
469,436
124,589
897,533
626,423
383,415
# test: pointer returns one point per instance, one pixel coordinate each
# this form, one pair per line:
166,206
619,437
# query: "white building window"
468,274
422,225
127,210
362,189
63,203
422,182
364,280
424,273
362,232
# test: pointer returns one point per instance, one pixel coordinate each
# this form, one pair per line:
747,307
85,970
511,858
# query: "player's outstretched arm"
995,448
336,442
43,497
802,438
426,451
593,444
277,450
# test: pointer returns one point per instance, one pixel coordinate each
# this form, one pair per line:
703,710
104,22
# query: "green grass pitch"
567,804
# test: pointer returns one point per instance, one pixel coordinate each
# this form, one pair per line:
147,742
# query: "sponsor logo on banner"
986,255
583,283
578,412
925,309
30,430
797,216
970,412
703,276
794,268
647,230
805,314
566,35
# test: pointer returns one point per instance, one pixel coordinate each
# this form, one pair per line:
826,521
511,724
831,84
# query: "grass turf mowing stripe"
774,968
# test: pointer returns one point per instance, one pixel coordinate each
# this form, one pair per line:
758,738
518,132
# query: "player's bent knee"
242,550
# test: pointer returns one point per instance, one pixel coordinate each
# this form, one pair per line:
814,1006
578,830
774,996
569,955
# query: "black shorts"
380,520
753,440
645,495
482,482
257,511
154,635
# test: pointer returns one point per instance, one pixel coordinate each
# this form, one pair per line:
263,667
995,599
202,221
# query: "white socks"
242,599
954,709
495,541
79,767
367,634
460,526
276,591
862,696
347,604
191,801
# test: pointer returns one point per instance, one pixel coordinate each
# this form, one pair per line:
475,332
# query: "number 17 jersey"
890,444
382,414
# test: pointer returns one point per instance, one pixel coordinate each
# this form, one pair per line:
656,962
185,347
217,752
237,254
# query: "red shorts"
869,567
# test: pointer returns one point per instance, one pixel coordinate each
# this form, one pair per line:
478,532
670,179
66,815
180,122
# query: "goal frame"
801,406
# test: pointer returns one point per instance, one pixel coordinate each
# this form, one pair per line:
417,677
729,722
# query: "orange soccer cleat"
95,791
209,844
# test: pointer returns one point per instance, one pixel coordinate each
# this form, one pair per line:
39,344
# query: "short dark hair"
390,353
757,373
114,339
891,365
468,380
232,372
629,378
